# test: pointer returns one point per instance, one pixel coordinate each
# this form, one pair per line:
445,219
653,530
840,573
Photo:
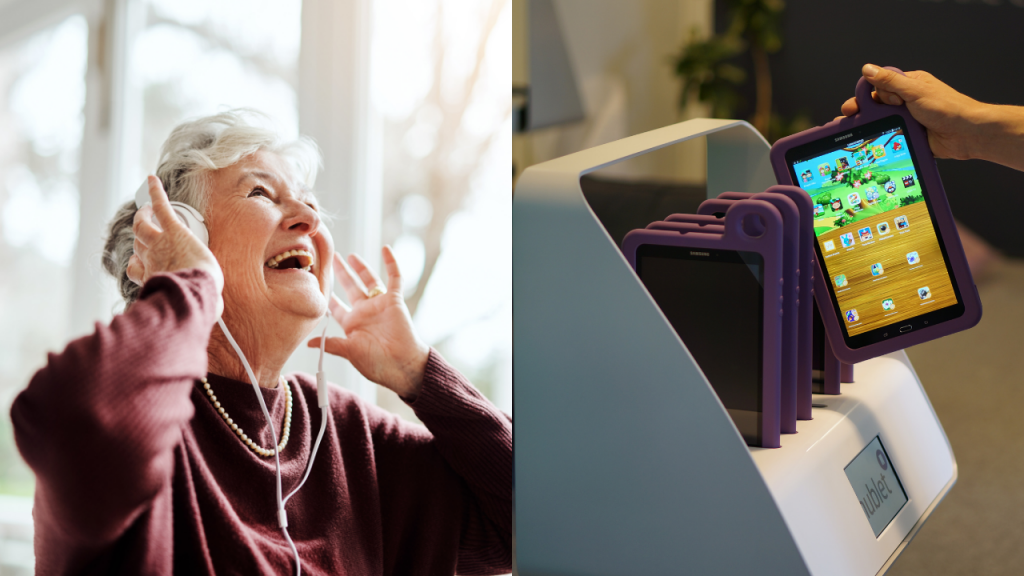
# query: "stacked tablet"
735,282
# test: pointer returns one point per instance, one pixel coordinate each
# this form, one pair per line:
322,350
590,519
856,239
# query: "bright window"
42,99
440,83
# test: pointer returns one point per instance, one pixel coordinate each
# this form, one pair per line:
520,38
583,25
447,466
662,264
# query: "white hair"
193,150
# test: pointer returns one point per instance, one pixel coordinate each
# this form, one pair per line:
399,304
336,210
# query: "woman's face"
265,231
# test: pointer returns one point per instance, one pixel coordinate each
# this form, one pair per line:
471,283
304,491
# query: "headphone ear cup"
193,221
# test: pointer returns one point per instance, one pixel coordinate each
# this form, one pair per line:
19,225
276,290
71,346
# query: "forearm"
476,440
997,135
97,424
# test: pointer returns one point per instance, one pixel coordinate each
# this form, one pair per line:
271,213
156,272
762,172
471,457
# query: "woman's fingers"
352,290
334,345
139,248
391,266
136,271
161,205
143,227
369,278
338,308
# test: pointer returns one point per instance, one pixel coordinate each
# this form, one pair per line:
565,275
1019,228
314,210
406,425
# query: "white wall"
622,54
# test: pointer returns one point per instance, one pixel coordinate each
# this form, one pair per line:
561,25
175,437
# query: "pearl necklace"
259,450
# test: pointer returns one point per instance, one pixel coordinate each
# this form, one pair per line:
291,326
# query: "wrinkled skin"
258,209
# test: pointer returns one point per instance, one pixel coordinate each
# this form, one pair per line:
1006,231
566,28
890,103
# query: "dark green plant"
704,67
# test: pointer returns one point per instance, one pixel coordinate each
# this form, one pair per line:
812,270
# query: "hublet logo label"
876,486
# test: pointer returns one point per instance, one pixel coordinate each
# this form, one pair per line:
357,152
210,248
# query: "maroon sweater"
138,474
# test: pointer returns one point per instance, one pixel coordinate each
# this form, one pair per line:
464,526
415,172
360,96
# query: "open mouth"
292,260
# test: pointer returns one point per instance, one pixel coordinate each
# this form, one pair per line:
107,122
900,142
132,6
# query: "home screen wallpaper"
874,231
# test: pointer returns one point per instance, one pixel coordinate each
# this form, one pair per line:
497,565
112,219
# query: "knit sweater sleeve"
475,439
99,422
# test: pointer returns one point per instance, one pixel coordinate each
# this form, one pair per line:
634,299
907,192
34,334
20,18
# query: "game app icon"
924,293
890,187
878,151
876,269
913,258
807,176
865,234
883,228
841,281
824,169
853,198
829,245
836,205
819,209
902,223
847,239
908,180
851,315
887,304
842,163
897,145
871,194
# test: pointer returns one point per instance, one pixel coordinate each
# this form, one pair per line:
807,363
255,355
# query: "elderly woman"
152,454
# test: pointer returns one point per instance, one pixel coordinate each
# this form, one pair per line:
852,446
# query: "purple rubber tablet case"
796,394
715,228
808,323
914,330
817,367
769,246
788,392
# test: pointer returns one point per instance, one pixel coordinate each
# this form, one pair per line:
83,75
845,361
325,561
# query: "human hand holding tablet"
882,223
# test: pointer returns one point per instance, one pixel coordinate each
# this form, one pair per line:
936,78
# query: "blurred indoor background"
407,99
587,72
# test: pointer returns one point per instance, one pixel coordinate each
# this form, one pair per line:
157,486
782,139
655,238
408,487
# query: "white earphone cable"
281,516
320,383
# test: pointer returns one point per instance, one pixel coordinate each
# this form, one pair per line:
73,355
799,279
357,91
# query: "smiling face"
265,231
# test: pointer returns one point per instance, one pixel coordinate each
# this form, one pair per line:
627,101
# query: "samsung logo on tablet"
844,136
692,253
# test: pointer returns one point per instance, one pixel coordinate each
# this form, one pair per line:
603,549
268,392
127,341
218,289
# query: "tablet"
721,293
891,267
694,292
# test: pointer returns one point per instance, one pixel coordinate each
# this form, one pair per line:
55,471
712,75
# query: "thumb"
162,209
334,345
889,82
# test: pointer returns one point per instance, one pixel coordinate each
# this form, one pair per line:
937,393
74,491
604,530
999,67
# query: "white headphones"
197,224
188,215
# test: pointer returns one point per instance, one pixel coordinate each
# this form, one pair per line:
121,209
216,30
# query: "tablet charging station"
626,461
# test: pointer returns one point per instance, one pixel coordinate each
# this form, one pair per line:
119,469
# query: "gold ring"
376,291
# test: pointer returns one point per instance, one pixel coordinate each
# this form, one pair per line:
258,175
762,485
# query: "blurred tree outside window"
440,78
195,58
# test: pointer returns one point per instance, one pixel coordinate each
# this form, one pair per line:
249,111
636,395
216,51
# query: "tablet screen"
885,263
714,301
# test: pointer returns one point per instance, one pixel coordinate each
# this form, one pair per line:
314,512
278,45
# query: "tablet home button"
906,328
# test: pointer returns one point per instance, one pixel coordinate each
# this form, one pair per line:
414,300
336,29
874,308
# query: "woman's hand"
379,339
168,245
953,120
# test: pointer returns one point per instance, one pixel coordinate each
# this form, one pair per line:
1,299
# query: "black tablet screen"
714,300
